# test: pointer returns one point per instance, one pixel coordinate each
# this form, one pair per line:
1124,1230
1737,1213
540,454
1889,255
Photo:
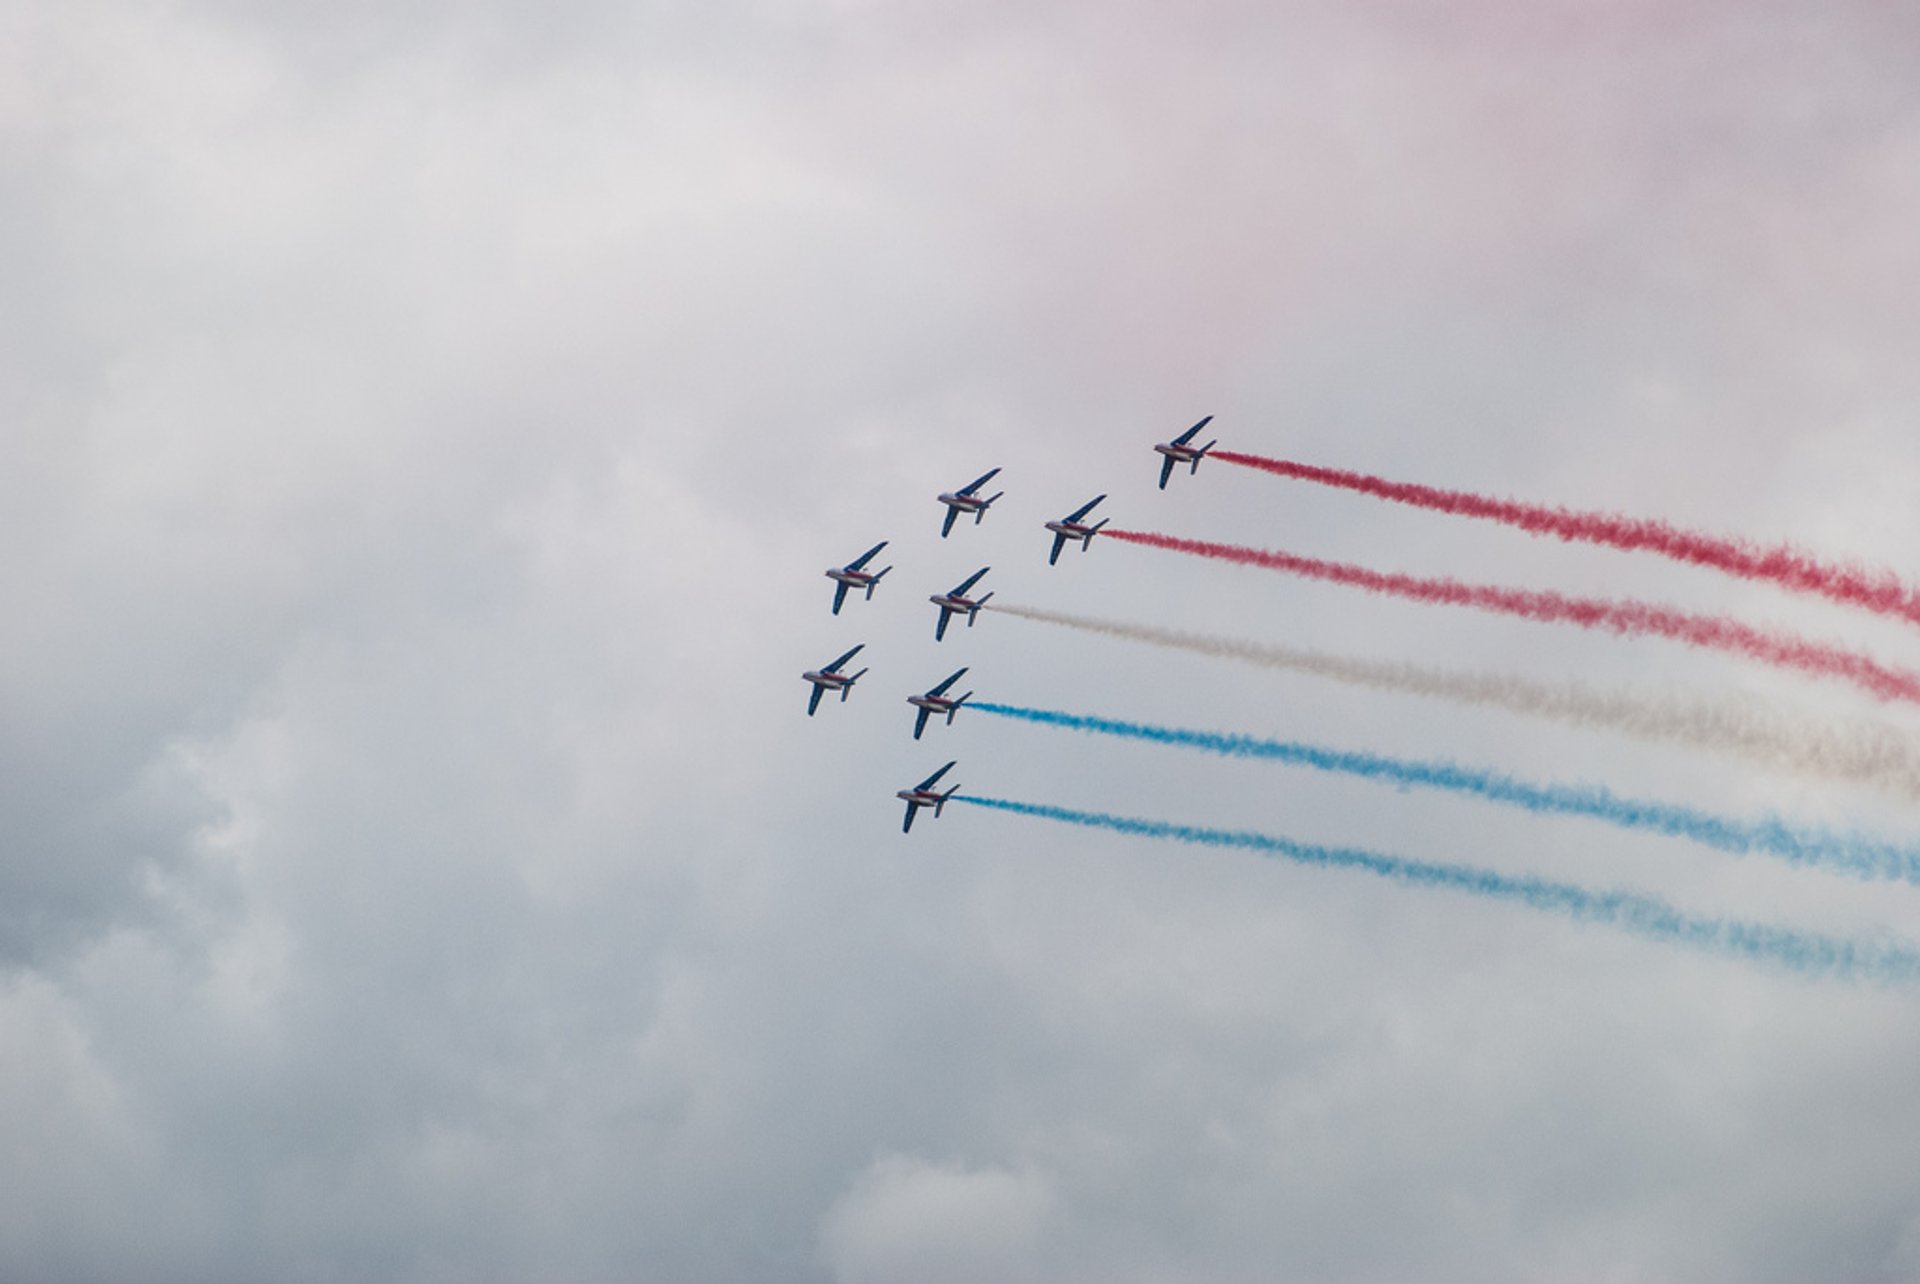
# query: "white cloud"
905,1218
426,428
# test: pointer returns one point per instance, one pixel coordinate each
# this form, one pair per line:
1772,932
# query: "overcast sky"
422,430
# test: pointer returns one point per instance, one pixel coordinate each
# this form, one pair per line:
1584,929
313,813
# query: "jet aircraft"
936,700
1181,451
925,795
831,679
965,500
851,576
1071,527
956,602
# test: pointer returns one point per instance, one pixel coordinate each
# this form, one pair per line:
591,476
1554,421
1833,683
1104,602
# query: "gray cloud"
426,429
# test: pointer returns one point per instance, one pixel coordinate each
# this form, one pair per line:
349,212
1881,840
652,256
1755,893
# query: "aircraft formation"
1857,752
961,600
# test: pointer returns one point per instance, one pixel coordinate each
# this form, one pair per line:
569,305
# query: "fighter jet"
957,602
1181,451
935,700
831,679
925,795
965,501
851,576
1071,527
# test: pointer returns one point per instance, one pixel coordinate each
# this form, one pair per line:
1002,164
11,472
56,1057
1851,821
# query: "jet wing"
864,558
906,826
970,581
1059,542
813,701
1166,470
920,722
928,782
951,679
977,482
835,666
839,595
947,526
940,627
1187,436
1083,510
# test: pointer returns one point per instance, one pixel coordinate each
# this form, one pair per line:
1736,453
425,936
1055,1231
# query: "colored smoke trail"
1862,752
1627,618
1879,591
1808,953
1860,857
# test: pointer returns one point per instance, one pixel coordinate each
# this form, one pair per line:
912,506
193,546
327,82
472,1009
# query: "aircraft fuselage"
952,604
938,705
915,799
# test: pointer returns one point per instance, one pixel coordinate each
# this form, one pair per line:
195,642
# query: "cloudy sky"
424,427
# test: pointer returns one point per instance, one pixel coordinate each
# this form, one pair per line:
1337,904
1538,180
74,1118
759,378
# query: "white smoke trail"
1860,752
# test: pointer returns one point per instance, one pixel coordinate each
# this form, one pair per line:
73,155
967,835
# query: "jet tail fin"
976,609
956,707
985,504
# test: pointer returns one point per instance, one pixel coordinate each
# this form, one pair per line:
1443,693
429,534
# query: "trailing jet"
925,795
831,679
936,700
1181,451
965,501
1071,527
851,576
957,602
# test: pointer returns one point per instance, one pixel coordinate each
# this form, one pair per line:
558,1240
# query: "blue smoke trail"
1808,953
1860,857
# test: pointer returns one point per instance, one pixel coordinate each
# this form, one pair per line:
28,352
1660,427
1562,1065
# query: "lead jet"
936,700
965,500
1181,451
1071,527
925,795
956,602
831,679
851,576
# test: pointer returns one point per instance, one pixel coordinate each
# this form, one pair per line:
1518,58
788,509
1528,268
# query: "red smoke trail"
1874,590
1626,618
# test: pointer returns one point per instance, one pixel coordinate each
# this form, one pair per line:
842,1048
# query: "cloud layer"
425,430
